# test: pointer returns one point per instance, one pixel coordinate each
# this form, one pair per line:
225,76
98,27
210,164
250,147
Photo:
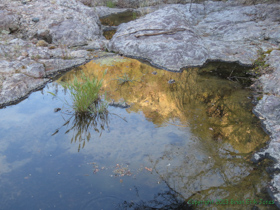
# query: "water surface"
189,140
115,20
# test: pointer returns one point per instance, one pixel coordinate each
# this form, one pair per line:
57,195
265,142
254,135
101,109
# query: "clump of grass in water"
85,95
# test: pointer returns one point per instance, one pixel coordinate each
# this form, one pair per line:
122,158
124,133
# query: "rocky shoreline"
40,38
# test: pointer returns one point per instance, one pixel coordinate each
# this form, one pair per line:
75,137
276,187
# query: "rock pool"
188,141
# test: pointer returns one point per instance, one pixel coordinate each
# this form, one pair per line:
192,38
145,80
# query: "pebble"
35,19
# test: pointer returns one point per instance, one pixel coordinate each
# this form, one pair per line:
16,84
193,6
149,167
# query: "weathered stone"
61,22
44,35
96,45
178,36
271,82
35,19
18,86
35,70
103,11
54,65
9,21
145,38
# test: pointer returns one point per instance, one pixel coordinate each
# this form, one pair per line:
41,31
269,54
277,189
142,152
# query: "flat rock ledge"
268,110
188,35
29,69
40,38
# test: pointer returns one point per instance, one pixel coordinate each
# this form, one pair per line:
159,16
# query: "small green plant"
85,95
259,63
134,16
110,4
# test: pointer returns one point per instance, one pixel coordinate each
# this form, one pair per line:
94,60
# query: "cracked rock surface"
39,38
188,35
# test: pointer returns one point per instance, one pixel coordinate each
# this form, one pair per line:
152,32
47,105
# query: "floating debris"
171,81
121,171
95,170
57,109
149,169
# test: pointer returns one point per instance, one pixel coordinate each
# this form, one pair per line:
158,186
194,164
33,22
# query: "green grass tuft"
85,96
260,63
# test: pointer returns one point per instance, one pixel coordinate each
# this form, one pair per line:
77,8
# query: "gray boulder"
17,86
164,37
189,35
61,22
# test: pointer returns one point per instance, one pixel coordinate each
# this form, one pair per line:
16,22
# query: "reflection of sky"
36,166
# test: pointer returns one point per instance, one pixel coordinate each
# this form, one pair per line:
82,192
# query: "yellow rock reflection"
214,109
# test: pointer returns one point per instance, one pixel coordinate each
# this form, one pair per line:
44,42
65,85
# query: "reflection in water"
81,126
109,34
169,199
209,105
213,163
117,19
230,71
191,139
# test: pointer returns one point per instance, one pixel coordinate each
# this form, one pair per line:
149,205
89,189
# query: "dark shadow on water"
169,199
109,34
117,19
230,71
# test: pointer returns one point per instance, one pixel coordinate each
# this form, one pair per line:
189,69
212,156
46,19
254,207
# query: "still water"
117,19
189,140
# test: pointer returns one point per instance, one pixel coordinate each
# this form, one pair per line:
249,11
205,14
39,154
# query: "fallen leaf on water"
95,170
148,169
121,181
